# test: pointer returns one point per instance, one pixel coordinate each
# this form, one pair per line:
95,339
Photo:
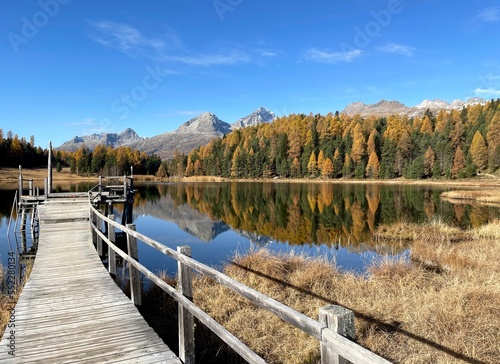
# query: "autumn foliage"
453,144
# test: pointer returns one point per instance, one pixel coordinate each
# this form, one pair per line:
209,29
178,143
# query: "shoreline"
9,175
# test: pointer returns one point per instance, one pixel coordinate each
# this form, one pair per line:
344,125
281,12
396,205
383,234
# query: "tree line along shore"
447,145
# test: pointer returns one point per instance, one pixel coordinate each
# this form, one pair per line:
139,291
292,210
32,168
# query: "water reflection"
299,213
332,220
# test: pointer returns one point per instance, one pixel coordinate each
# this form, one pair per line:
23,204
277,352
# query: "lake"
335,221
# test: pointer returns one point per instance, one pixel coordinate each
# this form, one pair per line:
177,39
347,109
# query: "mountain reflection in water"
300,213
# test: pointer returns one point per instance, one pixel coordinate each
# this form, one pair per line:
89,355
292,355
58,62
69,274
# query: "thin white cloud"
395,48
124,38
168,48
268,53
489,15
487,92
327,56
211,59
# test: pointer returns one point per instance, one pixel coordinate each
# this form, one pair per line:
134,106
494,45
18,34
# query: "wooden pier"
71,310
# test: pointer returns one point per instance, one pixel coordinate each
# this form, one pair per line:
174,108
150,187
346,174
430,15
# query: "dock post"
99,239
20,184
134,274
23,218
100,185
124,186
49,171
46,187
186,321
111,251
94,222
30,192
340,320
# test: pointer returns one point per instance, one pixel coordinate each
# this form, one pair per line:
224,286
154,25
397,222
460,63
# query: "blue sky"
71,67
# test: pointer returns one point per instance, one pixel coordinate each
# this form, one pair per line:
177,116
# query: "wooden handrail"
347,348
218,329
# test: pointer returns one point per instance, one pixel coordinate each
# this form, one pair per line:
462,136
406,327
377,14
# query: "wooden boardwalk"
70,310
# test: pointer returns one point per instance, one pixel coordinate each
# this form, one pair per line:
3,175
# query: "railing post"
46,187
124,186
30,184
94,222
134,274
100,185
111,251
340,320
186,322
99,239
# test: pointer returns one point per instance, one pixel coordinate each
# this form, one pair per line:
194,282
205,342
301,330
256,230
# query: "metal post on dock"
20,184
49,171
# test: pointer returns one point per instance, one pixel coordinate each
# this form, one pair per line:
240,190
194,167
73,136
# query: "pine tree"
493,138
458,163
373,166
429,159
479,151
312,165
359,145
327,168
321,160
426,126
162,173
348,167
371,146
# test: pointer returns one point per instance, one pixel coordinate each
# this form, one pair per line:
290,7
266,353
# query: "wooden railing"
334,322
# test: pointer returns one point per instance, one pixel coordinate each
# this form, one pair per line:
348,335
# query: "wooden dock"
71,310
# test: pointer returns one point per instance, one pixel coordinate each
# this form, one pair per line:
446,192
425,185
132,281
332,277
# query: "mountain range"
191,134
202,129
386,108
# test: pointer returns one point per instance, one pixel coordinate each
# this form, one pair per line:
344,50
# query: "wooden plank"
70,310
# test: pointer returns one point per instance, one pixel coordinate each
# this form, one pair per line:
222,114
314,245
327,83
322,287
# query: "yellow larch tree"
479,151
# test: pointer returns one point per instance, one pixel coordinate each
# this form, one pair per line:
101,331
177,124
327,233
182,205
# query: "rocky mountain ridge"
385,107
126,137
193,133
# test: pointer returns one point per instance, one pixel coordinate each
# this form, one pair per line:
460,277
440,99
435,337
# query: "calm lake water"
217,220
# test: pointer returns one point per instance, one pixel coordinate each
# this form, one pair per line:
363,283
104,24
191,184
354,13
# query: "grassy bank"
439,305
488,197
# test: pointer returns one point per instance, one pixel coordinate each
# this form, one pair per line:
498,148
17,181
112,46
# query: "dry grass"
489,197
441,305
